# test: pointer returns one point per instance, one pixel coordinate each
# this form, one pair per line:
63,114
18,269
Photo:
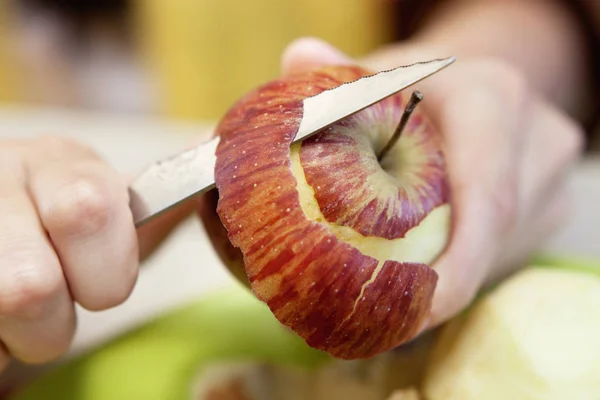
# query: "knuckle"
82,207
26,293
498,90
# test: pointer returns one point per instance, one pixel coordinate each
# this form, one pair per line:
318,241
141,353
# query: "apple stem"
415,99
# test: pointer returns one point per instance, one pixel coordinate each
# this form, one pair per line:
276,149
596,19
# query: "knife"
168,182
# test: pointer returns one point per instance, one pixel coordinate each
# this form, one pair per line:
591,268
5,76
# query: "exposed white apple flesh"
536,336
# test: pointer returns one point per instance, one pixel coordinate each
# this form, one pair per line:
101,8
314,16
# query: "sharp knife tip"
450,60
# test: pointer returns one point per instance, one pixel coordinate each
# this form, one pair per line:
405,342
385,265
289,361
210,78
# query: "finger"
483,155
530,233
551,149
308,53
552,145
84,206
37,318
556,210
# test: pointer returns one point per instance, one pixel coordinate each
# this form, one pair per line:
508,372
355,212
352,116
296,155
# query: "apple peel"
337,244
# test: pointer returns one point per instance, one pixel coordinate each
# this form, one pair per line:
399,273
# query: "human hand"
66,236
508,152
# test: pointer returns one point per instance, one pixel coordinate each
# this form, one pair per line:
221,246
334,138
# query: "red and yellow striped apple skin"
338,299
338,165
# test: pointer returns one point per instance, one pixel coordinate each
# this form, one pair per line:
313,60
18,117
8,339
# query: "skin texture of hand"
508,154
66,235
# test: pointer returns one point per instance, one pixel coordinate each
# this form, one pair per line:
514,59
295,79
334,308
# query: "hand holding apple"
336,233
508,153
506,193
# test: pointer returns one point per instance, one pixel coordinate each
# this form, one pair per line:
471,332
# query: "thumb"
308,53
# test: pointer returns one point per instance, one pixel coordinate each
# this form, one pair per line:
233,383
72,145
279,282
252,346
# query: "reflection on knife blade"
168,182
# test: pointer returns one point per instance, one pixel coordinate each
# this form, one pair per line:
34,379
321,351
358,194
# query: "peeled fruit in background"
534,337
336,242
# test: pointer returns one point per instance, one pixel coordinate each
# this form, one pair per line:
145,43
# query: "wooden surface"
186,266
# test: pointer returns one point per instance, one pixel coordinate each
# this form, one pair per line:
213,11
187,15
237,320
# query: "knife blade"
168,182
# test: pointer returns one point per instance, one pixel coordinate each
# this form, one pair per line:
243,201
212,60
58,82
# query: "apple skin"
337,244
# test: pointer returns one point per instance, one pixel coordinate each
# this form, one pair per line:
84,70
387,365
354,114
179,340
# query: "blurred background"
181,59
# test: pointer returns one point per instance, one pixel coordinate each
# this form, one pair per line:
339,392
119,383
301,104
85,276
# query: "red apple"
336,243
